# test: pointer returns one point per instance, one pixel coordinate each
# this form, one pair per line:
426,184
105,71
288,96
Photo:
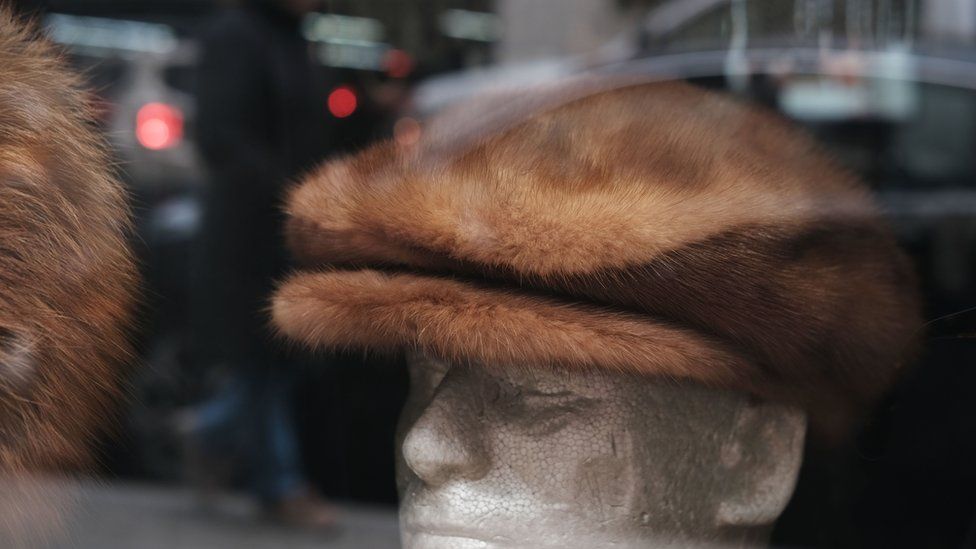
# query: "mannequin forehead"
641,400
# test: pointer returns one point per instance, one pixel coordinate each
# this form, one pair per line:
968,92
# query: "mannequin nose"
441,446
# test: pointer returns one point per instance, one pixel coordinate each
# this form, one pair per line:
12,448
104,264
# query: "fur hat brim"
472,322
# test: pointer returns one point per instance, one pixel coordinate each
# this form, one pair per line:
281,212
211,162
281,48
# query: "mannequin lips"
432,516
434,534
436,537
435,521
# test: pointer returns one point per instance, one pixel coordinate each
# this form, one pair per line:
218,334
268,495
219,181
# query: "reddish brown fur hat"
651,228
67,278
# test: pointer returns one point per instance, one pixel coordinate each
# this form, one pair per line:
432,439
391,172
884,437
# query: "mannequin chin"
525,457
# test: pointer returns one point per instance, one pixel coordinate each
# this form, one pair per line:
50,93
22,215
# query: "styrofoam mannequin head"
523,457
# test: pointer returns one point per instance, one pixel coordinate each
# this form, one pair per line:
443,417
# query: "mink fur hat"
67,277
650,228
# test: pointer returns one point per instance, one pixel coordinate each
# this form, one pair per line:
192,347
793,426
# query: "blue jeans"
251,417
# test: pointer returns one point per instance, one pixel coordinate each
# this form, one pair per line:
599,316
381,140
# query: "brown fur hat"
651,228
67,278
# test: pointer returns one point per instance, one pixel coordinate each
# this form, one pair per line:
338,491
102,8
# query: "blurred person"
262,121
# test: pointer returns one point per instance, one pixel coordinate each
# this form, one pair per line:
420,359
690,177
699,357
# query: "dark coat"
262,121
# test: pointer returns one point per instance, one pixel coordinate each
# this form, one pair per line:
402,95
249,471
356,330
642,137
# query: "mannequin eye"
536,393
566,402
548,414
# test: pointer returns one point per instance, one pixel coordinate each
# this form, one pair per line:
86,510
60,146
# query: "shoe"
304,510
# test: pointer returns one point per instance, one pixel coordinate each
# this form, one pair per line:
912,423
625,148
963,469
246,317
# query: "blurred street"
133,516
212,108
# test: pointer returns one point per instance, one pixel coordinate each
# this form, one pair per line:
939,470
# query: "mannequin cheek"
605,483
585,465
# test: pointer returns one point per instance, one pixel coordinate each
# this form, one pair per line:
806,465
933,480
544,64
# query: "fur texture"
651,228
67,278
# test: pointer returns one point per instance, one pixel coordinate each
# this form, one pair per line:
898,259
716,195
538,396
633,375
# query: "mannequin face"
526,458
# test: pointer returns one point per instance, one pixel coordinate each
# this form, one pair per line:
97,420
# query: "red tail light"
159,126
398,63
342,101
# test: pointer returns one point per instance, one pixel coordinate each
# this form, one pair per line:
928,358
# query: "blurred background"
888,85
